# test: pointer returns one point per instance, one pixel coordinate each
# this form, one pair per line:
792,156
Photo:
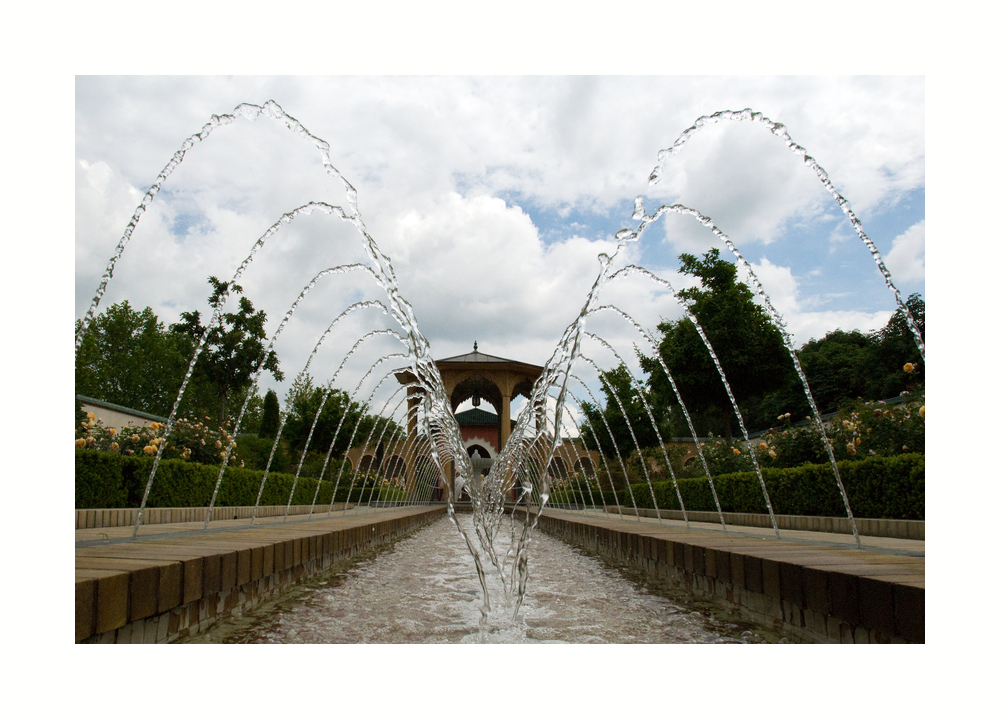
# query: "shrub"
255,452
877,488
111,480
189,439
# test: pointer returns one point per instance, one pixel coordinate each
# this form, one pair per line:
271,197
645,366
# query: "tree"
233,349
896,347
270,419
837,367
303,403
127,358
595,430
749,347
842,367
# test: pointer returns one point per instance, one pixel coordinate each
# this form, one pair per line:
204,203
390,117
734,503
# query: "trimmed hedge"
111,480
877,488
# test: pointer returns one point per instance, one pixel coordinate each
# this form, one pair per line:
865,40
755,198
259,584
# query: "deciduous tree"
234,348
749,347
127,358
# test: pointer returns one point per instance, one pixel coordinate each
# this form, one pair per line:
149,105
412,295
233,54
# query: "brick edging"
160,590
810,593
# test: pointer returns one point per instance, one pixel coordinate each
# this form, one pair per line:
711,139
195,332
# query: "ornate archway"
476,376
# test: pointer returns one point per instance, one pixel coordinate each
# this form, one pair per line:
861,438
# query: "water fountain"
541,429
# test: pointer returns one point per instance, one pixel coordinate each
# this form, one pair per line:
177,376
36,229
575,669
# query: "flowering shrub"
875,429
865,429
189,440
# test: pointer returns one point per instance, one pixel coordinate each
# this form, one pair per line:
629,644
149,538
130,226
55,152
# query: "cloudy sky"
493,197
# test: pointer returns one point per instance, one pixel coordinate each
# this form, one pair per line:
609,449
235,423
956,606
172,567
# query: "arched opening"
483,452
477,388
557,469
394,467
584,466
367,464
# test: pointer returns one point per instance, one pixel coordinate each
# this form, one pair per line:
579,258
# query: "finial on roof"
475,346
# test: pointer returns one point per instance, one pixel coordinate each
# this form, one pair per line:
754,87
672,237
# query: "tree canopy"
613,430
127,358
233,349
303,402
748,345
842,367
270,415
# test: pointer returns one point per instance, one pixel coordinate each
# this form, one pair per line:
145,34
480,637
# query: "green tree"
896,348
303,402
837,367
127,358
270,419
748,345
595,431
233,349
843,367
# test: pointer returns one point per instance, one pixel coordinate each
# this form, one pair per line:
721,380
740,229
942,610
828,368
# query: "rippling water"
424,589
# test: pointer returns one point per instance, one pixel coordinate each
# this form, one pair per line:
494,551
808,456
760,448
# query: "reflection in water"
424,590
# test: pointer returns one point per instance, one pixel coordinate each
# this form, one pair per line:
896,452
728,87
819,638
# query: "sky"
493,197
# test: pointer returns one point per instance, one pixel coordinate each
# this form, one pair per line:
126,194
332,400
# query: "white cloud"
906,258
431,159
802,322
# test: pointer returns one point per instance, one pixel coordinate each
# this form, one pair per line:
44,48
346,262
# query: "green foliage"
877,487
234,347
861,429
749,347
255,452
270,416
127,358
189,440
111,480
313,465
623,406
304,401
843,367
96,473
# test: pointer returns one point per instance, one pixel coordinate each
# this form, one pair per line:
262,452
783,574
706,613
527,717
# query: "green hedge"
111,480
877,488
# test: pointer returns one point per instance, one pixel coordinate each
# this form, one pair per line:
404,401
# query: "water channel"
424,590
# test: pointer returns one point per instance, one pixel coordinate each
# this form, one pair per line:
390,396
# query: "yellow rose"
736,451
909,367
921,412
81,443
149,449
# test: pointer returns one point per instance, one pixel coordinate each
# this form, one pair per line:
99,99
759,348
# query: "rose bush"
189,439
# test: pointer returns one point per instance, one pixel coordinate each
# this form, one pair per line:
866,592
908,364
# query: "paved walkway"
887,545
113,535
